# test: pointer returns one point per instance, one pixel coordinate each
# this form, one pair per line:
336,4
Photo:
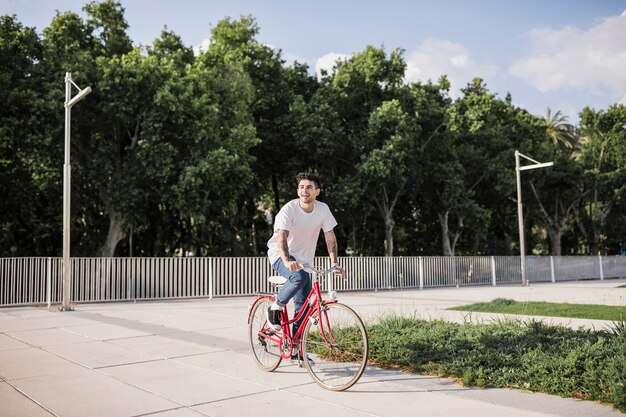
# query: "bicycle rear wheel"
335,347
263,340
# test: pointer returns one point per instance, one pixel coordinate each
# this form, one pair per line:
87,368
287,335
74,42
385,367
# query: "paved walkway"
191,358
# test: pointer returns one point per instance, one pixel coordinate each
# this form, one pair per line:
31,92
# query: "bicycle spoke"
263,340
336,344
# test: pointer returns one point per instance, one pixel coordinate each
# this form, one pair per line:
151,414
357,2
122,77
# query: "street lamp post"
69,102
520,217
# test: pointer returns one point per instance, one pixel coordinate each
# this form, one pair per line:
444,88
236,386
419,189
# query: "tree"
559,131
201,118
233,41
427,103
377,129
558,193
183,134
386,169
25,177
72,45
106,20
465,164
603,156
127,88
559,188
192,153
170,46
162,136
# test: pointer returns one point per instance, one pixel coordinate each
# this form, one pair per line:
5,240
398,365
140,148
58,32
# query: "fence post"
421,272
601,270
210,276
129,268
48,281
493,271
552,274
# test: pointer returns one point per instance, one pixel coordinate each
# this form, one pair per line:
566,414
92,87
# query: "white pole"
520,220
518,168
67,198
601,269
67,181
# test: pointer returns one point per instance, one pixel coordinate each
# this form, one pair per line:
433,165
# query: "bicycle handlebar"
311,268
332,294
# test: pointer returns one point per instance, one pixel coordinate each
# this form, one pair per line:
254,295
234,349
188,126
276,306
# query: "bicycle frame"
331,342
313,304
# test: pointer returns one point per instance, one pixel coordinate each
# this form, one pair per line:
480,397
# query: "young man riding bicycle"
296,231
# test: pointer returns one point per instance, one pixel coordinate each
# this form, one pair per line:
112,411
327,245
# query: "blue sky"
562,54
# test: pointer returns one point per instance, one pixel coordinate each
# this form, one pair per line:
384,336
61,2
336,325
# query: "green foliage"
195,152
27,222
508,354
540,308
603,159
108,15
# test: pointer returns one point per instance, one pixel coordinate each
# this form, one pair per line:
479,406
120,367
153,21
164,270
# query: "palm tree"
561,133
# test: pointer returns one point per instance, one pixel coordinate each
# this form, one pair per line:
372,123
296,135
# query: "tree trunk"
557,223
583,230
276,197
555,241
385,206
445,234
595,226
389,223
115,235
457,235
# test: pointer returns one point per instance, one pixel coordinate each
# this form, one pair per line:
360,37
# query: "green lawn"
540,308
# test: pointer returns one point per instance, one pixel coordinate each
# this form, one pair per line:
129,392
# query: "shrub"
554,359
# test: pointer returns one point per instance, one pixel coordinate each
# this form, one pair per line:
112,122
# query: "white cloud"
288,57
203,47
591,61
327,62
436,57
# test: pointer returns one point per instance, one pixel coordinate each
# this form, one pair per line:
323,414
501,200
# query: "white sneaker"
273,316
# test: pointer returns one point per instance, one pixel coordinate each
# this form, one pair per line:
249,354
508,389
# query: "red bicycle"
332,338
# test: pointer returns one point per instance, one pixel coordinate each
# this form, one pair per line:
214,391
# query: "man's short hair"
308,176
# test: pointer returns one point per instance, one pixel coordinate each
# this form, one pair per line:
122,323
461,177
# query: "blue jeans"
298,286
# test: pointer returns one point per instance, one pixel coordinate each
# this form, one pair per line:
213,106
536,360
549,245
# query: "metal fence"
31,281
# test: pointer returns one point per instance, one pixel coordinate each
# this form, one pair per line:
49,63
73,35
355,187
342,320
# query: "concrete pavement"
191,358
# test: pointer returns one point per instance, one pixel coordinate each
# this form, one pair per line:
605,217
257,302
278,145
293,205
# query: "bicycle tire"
336,359
265,351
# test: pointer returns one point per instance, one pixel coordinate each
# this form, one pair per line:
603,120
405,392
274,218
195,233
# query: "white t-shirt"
304,230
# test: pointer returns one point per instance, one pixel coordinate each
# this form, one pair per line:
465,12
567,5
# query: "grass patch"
531,355
540,308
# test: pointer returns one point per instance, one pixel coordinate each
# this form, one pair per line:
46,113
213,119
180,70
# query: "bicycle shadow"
408,381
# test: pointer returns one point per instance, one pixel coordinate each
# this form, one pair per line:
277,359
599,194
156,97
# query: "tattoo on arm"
331,244
282,244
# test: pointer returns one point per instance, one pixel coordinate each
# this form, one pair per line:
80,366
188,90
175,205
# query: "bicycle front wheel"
335,347
263,340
